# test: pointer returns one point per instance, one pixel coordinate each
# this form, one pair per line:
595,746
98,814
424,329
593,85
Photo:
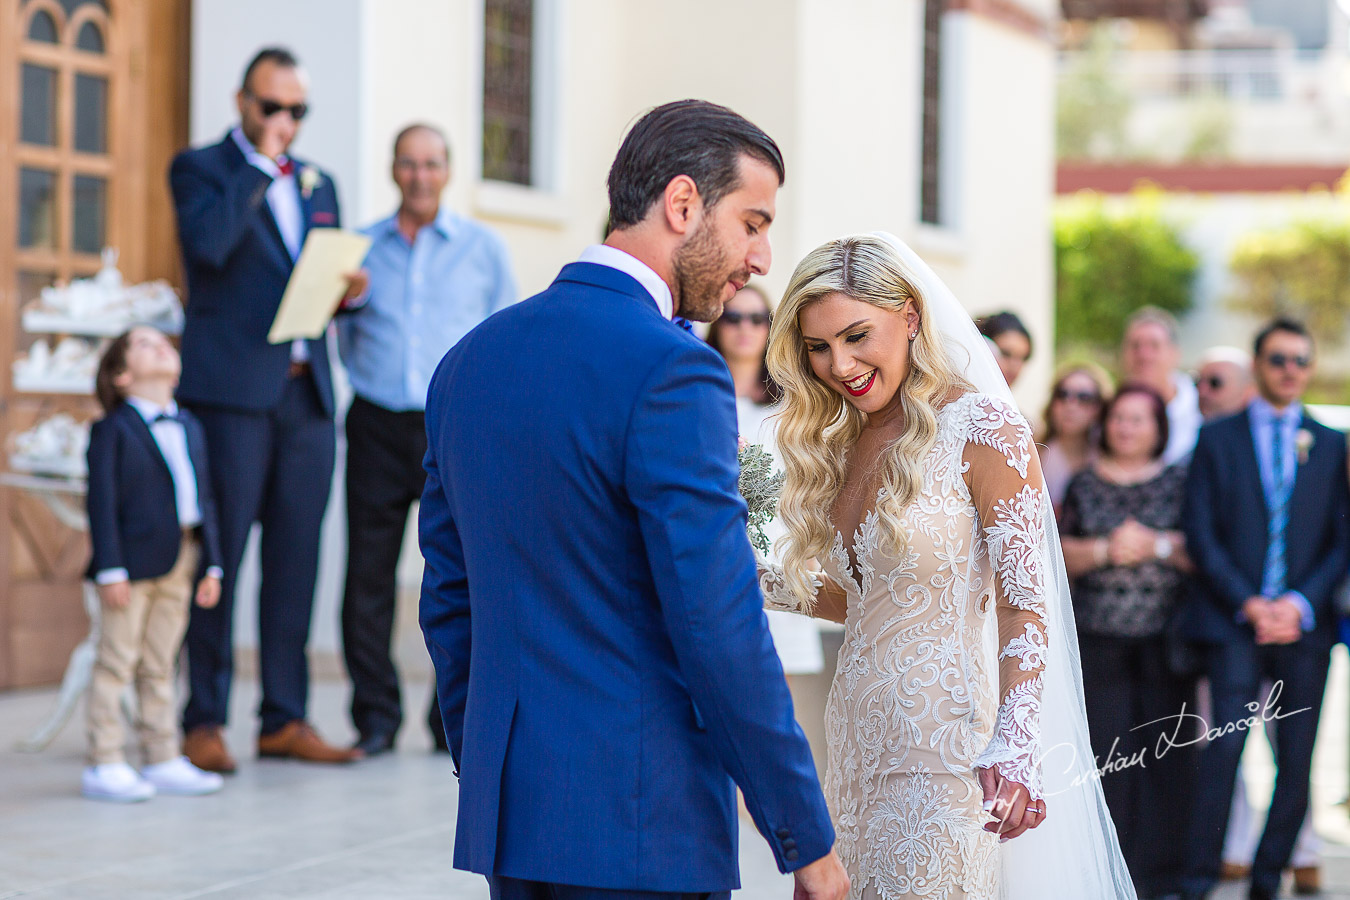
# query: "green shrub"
1108,263
1300,270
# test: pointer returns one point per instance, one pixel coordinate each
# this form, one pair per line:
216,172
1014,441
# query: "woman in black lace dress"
1125,554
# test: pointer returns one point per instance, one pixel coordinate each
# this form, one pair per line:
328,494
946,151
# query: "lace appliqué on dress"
1016,748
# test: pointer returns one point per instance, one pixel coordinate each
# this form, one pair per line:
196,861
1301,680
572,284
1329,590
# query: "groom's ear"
681,204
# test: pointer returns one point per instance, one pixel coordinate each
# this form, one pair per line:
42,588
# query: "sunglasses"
759,320
1280,360
1084,397
270,108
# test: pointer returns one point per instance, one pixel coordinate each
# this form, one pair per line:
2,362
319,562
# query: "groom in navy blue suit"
1267,521
244,207
604,668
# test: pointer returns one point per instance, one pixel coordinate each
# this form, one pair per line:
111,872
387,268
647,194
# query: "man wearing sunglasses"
1267,522
1223,382
244,206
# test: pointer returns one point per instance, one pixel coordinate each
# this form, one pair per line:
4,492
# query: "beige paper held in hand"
317,283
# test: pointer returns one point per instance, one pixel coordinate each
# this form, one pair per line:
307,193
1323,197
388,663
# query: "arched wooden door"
93,102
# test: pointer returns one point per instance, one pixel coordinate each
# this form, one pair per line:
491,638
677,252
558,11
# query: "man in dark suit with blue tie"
244,207
1267,521
603,663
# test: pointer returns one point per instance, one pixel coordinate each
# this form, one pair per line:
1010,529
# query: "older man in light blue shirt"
434,275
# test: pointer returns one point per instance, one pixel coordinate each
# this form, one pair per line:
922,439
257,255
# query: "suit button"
789,844
790,856
784,834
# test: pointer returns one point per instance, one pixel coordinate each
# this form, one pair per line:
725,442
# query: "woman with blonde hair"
955,723
1069,442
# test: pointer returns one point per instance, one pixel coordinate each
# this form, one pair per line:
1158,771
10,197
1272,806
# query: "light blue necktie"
1282,486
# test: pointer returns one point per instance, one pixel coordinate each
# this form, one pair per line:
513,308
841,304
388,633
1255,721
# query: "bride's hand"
1008,802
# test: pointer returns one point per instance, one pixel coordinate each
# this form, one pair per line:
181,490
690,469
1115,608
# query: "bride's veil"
1074,852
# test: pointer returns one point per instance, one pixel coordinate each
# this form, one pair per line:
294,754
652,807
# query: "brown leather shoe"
299,740
1307,880
204,746
1231,871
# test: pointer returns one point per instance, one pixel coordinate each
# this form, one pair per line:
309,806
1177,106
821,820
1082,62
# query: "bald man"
1223,382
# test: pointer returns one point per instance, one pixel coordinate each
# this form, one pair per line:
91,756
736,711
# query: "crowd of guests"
1204,525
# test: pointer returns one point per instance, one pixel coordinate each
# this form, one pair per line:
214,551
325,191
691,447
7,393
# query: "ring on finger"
1036,810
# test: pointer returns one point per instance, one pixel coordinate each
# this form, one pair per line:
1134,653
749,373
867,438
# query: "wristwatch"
1162,546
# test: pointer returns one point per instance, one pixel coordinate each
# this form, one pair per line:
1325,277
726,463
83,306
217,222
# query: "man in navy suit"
604,667
244,206
1266,521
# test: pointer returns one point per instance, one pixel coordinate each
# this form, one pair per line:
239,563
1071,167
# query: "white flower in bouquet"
760,487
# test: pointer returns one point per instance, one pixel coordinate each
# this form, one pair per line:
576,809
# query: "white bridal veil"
1074,853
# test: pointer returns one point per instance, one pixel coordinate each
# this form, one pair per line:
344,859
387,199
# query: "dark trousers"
384,478
503,888
274,468
1146,782
1236,670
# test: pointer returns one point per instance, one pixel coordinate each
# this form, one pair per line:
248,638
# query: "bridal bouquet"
760,487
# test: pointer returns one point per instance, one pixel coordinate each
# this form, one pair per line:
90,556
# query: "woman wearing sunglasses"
741,335
1069,441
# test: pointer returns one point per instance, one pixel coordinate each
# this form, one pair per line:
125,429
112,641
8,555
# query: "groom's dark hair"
687,137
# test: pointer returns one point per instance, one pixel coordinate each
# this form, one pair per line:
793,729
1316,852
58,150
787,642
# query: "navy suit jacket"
237,268
1226,520
133,514
591,604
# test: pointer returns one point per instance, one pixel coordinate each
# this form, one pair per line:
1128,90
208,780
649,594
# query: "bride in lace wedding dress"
958,756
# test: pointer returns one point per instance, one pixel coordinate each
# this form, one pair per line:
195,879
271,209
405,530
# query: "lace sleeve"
1006,485
774,587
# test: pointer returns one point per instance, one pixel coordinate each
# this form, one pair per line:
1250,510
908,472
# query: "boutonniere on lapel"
309,180
1303,441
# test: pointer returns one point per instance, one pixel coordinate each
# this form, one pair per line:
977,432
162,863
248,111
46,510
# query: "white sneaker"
181,778
118,782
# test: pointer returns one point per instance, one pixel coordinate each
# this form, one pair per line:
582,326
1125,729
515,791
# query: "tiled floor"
379,829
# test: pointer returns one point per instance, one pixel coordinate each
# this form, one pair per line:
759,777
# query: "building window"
508,91
930,197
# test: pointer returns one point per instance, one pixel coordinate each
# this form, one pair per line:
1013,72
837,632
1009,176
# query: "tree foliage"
1300,270
1093,107
1108,263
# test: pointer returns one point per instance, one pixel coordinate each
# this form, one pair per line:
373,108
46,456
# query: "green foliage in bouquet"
760,487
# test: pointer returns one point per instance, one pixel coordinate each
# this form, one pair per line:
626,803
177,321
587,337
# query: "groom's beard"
701,275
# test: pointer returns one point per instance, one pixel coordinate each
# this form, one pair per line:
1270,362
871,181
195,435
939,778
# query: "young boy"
153,526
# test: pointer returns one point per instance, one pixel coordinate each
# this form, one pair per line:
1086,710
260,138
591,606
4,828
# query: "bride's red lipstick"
867,385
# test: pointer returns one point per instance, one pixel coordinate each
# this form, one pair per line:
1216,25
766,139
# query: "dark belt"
298,369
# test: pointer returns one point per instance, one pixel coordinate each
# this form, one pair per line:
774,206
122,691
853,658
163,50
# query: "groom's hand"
824,879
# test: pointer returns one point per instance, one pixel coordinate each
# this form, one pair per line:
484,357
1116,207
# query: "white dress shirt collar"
149,410
605,255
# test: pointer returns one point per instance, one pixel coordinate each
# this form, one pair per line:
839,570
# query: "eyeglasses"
1213,382
1087,398
270,108
1280,360
759,320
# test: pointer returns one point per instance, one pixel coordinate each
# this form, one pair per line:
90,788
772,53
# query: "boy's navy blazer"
1226,520
604,666
237,268
133,513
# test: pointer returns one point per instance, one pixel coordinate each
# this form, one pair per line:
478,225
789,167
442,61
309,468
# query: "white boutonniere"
309,180
1303,440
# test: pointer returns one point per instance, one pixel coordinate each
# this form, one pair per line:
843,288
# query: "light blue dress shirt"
1264,421
423,298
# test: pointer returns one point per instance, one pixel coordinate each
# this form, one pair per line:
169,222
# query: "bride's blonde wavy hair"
817,426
